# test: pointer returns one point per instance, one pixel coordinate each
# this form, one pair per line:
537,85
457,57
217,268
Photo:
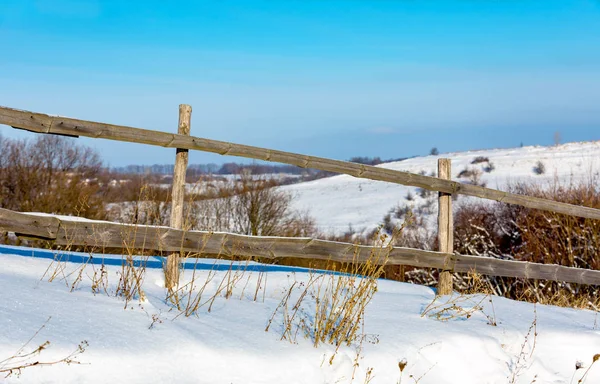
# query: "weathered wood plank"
99,235
181,162
30,121
34,225
41,123
445,228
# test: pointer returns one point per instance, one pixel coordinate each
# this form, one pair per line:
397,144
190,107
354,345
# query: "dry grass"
510,232
23,359
402,365
465,304
522,361
580,366
196,290
459,307
330,307
131,274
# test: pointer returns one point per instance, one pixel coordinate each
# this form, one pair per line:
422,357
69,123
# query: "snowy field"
340,201
150,341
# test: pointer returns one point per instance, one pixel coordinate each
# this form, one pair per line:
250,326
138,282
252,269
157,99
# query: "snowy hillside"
340,201
149,341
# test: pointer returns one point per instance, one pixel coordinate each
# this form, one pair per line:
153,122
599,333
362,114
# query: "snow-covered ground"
147,342
340,201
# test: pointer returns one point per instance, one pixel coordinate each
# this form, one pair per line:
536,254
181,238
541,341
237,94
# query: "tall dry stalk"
330,306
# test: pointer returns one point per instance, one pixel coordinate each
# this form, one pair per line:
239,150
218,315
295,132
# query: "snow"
340,201
229,344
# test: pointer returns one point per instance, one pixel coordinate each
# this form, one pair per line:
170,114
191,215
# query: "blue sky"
322,77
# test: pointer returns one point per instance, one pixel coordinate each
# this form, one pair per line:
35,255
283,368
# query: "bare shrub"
401,211
467,172
480,159
557,238
511,232
427,208
260,209
489,167
388,226
251,206
540,168
50,174
482,229
473,175
330,308
557,138
424,193
515,233
413,234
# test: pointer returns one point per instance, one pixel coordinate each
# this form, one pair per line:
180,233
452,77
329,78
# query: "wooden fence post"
181,162
445,227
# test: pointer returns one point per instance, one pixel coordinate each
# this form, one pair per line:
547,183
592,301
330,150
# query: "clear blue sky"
323,77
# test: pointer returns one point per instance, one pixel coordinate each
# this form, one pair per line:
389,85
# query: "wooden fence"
174,240
99,235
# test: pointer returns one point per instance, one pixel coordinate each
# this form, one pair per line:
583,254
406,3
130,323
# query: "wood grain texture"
45,227
100,235
41,123
445,229
178,193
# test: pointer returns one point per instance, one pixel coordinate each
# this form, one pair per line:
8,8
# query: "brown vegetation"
511,232
53,175
50,174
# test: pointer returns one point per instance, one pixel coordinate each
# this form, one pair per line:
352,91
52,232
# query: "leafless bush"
424,193
480,159
401,211
467,172
511,232
514,233
540,168
150,207
251,206
489,167
473,175
330,308
50,174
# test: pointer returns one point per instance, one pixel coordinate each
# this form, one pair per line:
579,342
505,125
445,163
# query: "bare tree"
260,209
250,205
50,174
557,138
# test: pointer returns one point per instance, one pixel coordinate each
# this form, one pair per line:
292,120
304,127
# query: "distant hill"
340,201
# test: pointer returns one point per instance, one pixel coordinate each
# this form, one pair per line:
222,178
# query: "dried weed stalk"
526,352
20,360
330,307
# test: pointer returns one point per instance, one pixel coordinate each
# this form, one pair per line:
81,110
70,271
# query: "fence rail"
98,235
41,123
